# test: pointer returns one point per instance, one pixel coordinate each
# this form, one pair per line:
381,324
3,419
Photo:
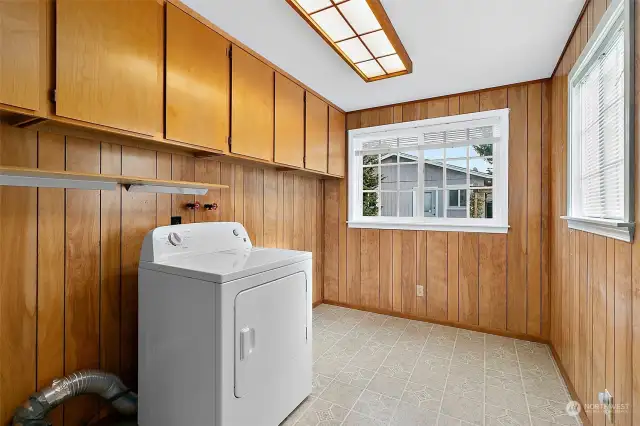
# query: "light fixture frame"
385,24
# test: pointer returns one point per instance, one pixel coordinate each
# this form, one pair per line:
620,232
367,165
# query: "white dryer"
224,328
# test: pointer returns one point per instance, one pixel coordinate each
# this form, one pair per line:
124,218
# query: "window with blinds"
599,132
431,174
599,99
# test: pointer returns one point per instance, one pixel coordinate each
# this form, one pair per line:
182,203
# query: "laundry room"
319,212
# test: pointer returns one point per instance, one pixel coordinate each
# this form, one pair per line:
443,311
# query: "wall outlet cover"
420,291
176,220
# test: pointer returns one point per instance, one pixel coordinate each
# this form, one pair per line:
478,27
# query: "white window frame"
498,224
618,229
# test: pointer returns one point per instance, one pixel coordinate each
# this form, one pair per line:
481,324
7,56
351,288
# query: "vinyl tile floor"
374,370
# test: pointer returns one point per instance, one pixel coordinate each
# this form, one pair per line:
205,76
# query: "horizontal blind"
601,133
467,136
447,135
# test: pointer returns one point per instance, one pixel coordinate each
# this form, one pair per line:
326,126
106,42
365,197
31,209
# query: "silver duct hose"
34,411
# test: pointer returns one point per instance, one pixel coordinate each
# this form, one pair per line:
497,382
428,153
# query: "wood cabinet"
289,143
110,62
157,72
197,82
252,106
337,142
20,33
317,133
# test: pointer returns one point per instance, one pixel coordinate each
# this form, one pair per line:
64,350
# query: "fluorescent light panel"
360,16
353,28
391,64
371,68
333,24
311,6
379,44
355,50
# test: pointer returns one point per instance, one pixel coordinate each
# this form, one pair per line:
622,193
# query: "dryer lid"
227,265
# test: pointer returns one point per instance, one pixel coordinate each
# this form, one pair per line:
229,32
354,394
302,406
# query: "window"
600,180
447,173
457,198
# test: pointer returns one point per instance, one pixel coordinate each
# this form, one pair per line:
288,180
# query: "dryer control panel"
209,237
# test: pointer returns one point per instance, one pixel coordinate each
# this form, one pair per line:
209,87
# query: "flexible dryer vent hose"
34,411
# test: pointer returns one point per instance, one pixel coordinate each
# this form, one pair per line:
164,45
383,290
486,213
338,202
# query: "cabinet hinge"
52,95
306,333
229,142
229,52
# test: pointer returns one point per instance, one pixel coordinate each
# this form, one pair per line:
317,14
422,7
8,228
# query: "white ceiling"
456,45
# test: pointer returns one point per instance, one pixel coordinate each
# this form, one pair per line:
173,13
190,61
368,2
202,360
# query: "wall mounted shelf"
29,177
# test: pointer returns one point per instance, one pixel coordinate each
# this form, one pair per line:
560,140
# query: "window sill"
410,226
608,228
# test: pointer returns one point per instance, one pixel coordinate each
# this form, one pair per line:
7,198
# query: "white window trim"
617,229
497,225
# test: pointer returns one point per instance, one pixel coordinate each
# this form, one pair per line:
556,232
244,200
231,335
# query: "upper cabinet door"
337,142
197,82
317,137
109,63
20,52
252,110
289,148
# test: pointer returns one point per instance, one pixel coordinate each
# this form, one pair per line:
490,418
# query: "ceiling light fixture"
361,33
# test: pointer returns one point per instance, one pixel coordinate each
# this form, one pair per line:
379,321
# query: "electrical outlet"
606,399
420,290
176,220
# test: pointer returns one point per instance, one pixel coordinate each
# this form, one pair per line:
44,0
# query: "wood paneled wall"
68,262
595,280
495,282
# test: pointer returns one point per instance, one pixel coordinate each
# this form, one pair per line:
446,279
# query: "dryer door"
270,335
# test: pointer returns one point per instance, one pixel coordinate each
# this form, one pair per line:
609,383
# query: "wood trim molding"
390,31
583,416
247,49
503,333
470,92
573,31
66,126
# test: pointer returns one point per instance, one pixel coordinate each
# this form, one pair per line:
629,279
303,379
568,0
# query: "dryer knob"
175,238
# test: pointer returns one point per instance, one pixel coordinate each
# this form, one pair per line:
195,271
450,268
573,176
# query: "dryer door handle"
247,342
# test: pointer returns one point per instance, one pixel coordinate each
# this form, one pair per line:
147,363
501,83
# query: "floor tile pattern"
372,369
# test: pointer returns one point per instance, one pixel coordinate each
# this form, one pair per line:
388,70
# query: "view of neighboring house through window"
436,171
